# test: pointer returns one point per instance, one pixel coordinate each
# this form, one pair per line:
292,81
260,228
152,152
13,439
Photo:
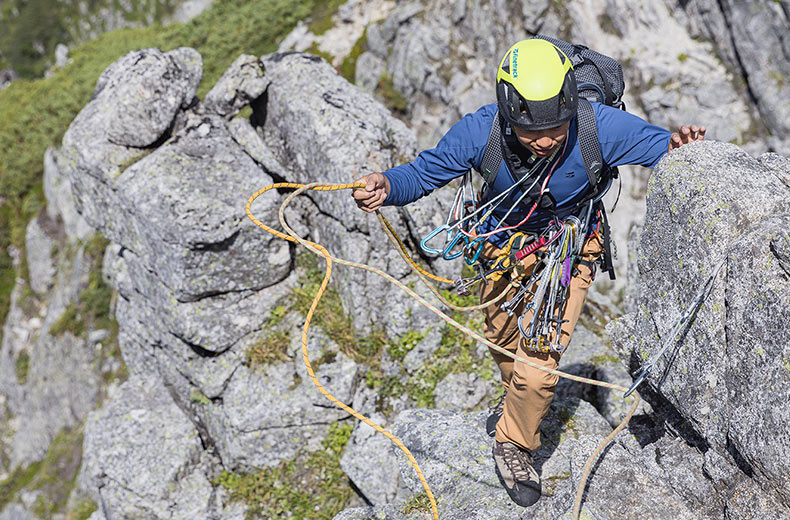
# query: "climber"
537,103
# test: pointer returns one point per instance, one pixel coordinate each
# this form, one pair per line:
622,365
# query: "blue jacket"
625,139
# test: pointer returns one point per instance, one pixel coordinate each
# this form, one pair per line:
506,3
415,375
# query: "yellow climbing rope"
424,276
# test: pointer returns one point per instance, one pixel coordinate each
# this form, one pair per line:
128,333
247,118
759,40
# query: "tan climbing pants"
529,390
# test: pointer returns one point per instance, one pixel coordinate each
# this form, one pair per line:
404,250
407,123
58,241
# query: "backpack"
599,78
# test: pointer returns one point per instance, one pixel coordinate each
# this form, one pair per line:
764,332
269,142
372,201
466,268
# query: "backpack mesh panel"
588,73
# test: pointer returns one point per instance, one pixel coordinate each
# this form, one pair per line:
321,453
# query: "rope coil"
318,249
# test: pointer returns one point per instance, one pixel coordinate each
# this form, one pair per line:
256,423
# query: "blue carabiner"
472,260
447,254
424,242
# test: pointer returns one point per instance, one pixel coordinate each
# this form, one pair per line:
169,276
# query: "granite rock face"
734,347
144,458
201,290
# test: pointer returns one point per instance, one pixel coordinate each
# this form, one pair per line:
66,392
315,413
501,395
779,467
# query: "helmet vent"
506,64
561,55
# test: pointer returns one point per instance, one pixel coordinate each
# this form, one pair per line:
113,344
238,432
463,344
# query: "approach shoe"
515,472
494,413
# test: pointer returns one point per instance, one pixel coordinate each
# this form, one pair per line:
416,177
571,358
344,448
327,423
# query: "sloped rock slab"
628,481
143,458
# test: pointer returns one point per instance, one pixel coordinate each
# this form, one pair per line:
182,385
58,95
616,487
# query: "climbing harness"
316,248
683,322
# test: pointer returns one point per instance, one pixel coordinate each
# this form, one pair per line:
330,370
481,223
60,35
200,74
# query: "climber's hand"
377,187
685,135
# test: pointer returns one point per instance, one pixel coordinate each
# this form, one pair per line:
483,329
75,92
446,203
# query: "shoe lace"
499,405
519,462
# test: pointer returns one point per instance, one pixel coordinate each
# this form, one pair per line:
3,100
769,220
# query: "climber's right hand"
370,198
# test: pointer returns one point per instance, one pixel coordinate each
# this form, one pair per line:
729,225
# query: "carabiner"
447,254
472,260
424,242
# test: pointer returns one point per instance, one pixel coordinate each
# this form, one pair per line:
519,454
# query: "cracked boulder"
178,213
243,82
133,107
734,347
143,458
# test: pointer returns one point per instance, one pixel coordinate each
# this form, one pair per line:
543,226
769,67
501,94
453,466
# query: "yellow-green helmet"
535,85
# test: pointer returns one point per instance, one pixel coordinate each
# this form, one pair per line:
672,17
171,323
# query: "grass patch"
310,487
53,477
329,314
58,473
70,321
405,344
82,510
273,348
322,16
419,503
392,97
22,367
18,480
457,353
348,69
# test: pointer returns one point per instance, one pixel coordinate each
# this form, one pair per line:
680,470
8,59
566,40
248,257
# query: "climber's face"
543,142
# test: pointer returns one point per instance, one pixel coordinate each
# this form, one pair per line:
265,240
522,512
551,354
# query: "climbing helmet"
535,86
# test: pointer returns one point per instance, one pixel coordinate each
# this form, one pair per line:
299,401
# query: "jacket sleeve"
460,149
629,139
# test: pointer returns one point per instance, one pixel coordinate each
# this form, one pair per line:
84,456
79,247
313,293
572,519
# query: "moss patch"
311,487
22,367
199,397
53,477
82,510
392,97
348,69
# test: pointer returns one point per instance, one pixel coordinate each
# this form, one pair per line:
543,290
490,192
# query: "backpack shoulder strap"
492,157
587,130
